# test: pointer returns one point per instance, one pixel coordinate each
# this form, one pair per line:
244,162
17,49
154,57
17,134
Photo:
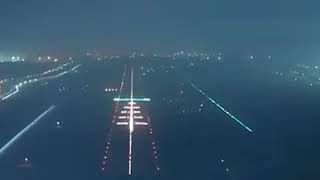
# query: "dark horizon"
164,26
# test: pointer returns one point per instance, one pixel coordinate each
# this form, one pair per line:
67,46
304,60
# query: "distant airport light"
111,89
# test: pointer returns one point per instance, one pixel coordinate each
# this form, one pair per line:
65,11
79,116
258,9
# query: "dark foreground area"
194,138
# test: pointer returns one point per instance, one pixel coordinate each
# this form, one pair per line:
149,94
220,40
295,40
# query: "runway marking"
61,74
109,140
217,104
23,131
127,117
131,125
220,107
11,94
20,85
227,170
76,67
154,147
121,86
132,112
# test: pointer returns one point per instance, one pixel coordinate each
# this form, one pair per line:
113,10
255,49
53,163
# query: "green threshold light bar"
133,99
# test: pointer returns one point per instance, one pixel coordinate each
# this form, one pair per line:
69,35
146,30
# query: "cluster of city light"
301,72
12,59
102,58
196,54
5,59
99,57
25,130
308,74
49,59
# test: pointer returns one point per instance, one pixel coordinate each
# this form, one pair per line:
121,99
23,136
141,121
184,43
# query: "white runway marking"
130,112
154,147
109,140
31,81
11,94
131,126
221,108
121,86
23,131
76,67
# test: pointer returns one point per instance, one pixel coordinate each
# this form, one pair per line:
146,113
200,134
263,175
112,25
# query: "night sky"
164,25
240,101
